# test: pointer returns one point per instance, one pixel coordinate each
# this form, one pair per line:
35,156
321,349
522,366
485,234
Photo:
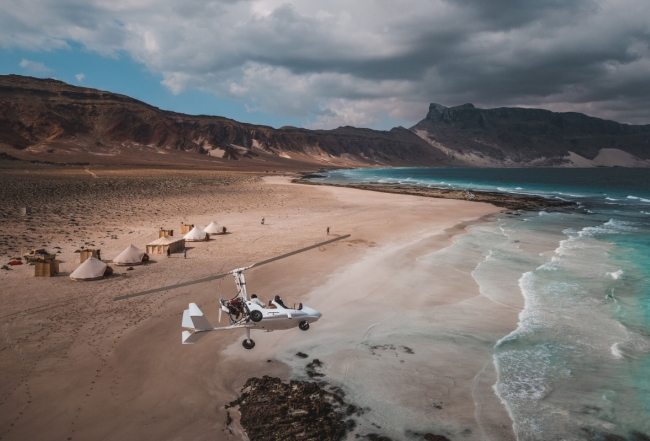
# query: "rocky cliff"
533,137
41,116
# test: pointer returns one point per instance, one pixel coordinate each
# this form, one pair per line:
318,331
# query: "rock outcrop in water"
533,137
275,410
304,411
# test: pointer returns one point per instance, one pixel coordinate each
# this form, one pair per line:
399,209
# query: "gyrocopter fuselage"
247,314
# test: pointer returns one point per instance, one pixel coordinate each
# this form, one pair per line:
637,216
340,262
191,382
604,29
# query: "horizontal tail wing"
189,338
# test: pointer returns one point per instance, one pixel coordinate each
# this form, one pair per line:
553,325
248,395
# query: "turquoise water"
578,365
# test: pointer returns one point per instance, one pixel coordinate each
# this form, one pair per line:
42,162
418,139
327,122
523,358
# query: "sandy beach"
406,332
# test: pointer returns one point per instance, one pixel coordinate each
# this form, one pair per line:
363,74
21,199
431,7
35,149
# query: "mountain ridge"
52,120
527,137
41,115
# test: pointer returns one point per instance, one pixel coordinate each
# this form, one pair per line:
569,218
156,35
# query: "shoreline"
116,364
499,199
346,348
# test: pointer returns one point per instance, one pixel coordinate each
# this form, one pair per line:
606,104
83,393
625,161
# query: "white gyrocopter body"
242,313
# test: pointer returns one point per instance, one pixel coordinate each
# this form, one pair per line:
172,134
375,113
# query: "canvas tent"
132,255
214,228
91,269
196,235
161,245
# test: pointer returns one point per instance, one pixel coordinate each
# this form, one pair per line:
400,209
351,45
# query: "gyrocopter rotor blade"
219,276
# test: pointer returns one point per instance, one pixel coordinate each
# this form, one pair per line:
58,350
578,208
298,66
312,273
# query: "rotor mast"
240,281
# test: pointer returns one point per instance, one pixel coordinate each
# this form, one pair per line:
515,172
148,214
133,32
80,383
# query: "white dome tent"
196,235
132,255
214,228
91,269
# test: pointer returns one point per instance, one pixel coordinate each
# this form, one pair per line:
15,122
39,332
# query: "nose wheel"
304,326
248,343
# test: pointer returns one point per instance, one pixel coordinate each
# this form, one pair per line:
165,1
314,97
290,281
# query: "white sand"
77,365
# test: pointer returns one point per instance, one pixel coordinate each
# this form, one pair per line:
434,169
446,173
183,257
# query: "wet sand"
77,365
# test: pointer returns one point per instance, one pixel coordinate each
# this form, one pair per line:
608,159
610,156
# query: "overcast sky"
323,64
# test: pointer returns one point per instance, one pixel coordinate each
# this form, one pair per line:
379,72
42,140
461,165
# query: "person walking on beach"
328,231
169,253
184,253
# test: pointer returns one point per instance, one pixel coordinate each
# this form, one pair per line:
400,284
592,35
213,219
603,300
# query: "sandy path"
77,365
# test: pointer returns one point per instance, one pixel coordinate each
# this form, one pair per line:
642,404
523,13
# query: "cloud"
80,77
363,62
34,67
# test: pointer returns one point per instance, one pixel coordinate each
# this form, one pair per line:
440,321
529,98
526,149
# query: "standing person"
99,254
169,253
262,221
184,253
328,231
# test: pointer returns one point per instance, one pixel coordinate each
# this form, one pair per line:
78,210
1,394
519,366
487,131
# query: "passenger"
278,300
257,301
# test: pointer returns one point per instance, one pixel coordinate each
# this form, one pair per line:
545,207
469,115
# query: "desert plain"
405,332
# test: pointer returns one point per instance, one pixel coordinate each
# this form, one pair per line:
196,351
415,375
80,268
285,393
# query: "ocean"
578,364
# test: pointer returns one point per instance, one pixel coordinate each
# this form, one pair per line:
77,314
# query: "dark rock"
312,368
432,437
275,410
301,355
506,200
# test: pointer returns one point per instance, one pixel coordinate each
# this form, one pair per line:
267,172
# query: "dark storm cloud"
344,62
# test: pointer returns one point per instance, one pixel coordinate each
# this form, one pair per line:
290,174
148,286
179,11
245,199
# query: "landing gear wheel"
256,315
304,326
248,344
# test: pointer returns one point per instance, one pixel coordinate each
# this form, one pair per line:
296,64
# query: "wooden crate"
85,254
49,268
163,233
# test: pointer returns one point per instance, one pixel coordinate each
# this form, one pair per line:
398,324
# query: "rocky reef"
274,410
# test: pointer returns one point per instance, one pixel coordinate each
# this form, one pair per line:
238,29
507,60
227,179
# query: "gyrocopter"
245,313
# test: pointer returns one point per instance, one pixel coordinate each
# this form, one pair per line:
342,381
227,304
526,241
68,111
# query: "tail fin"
199,322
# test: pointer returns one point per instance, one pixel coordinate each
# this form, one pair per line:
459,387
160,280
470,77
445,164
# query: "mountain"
532,137
45,119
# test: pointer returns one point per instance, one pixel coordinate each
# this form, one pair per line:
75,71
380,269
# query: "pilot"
257,301
278,300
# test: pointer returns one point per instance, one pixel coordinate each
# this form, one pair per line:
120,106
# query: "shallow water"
578,364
